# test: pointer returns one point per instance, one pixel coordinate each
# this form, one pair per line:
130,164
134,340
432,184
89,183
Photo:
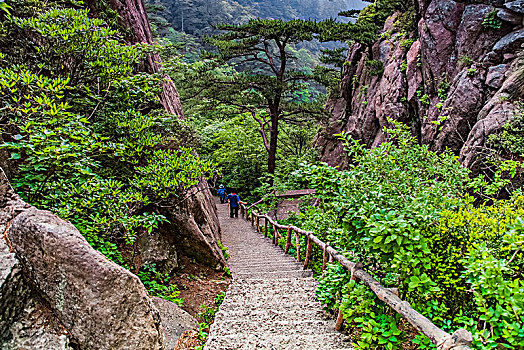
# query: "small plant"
443,88
424,99
223,249
404,66
406,44
227,271
492,21
375,67
466,61
365,103
471,72
157,284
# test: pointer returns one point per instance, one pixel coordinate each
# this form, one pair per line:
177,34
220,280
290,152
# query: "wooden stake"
297,240
309,250
325,258
340,321
288,241
258,224
265,227
275,235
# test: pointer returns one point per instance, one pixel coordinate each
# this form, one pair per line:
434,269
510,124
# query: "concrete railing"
459,340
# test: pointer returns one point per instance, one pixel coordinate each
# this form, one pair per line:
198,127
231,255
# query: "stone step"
300,327
276,274
295,313
277,342
283,267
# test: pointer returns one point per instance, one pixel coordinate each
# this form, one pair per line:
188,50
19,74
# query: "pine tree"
262,83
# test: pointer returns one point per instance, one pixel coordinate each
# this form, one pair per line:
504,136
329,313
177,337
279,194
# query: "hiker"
222,194
234,203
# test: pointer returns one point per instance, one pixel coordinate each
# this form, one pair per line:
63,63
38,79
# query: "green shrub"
375,67
492,21
406,213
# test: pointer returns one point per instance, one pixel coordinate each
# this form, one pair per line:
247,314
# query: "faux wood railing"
460,340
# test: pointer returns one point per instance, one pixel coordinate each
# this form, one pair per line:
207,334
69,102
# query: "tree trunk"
273,140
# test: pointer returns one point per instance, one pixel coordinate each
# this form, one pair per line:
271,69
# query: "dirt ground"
199,285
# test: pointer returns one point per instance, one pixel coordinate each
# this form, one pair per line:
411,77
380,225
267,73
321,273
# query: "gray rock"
495,76
510,42
13,290
24,324
509,16
194,228
515,6
159,249
102,305
175,321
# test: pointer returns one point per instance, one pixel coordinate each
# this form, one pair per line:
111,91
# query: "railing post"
288,240
275,235
325,258
258,224
297,240
252,218
340,321
309,250
265,226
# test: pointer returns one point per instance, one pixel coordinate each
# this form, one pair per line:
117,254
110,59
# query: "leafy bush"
375,67
87,133
492,21
406,213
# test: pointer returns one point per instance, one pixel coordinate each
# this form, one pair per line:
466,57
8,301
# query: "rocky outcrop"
175,321
49,271
194,228
451,85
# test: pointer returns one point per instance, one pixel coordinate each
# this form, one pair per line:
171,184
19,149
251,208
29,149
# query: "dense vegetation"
88,139
420,223
87,135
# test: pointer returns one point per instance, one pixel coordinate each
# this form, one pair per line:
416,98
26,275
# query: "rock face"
449,85
48,265
194,227
175,321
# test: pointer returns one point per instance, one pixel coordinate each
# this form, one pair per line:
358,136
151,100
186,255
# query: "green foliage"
466,61
405,213
375,67
424,99
471,72
510,140
206,317
443,88
224,250
492,21
157,284
87,134
406,43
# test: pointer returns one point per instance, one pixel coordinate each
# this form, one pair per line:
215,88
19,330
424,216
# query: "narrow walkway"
271,302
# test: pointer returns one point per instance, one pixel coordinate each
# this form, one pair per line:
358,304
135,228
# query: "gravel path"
271,302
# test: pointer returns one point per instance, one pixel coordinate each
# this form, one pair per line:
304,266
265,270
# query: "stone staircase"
271,302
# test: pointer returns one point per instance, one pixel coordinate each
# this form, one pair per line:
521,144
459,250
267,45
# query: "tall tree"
262,82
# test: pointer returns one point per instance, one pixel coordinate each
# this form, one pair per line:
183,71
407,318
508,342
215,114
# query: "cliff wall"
455,79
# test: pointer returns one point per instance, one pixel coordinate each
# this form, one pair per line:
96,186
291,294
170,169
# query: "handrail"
459,340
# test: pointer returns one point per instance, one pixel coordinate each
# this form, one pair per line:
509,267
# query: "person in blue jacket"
222,194
234,203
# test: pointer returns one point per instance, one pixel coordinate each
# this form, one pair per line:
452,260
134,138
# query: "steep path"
271,302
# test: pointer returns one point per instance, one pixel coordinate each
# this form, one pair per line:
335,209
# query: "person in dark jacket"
222,194
234,203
